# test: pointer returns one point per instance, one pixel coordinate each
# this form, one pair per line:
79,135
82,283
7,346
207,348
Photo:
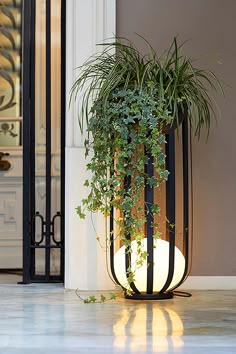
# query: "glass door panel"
10,134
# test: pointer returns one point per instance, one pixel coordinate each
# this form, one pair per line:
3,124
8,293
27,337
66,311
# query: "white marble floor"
43,319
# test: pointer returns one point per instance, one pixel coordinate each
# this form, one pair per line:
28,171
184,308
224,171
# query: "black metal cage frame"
165,292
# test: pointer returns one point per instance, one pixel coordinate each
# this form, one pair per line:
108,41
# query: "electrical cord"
181,293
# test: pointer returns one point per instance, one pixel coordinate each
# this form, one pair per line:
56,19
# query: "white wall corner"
88,23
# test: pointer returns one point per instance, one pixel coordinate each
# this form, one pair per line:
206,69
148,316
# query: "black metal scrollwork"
56,216
43,232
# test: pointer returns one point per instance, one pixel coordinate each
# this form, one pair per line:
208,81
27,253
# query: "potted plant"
129,103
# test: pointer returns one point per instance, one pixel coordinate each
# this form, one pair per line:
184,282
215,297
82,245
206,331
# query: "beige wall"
210,26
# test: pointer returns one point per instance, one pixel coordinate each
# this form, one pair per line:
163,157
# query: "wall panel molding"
11,222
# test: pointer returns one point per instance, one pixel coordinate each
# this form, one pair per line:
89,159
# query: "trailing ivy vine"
122,141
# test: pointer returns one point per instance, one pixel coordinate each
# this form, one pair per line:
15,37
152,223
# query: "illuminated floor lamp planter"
167,266
130,130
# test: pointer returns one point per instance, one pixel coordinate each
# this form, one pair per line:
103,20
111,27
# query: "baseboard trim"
209,283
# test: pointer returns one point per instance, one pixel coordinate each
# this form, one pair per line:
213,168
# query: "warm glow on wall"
161,266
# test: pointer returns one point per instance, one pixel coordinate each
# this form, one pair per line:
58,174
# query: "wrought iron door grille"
43,228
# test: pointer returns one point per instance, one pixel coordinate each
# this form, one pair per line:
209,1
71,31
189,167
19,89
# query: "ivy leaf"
164,174
138,180
162,139
80,213
131,277
129,120
103,298
112,296
156,209
92,298
157,235
86,183
161,158
152,181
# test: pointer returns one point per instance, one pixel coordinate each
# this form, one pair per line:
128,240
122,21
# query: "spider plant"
177,81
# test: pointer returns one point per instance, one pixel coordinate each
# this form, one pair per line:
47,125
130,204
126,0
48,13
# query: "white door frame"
88,23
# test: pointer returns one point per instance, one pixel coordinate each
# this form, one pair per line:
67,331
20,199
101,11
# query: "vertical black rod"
112,253
32,133
170,203
185,156
26,141
185,192
48,138
185,142
127,182
63,129
112,240
149,198
128,260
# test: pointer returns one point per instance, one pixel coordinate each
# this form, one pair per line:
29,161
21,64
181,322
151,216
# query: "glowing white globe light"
160,267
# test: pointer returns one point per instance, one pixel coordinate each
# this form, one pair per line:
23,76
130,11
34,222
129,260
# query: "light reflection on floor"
149,323
43,319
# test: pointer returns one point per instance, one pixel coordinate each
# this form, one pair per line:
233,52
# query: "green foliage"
176,79
94,299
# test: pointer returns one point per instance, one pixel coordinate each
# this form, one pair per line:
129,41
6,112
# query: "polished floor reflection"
46,319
